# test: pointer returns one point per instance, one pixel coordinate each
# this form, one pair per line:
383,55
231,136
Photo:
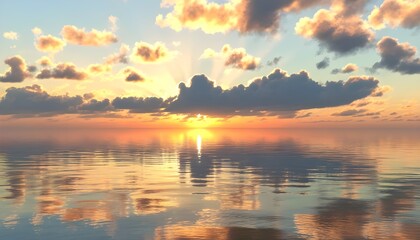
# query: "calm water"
199,184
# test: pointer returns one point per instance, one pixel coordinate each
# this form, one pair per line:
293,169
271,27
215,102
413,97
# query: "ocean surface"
209,184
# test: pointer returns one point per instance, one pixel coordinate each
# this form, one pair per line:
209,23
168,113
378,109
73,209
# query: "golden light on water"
199,141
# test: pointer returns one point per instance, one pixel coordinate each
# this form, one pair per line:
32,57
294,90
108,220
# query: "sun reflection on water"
199,141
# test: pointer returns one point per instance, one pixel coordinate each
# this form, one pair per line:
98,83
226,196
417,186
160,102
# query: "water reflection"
262,184
215,233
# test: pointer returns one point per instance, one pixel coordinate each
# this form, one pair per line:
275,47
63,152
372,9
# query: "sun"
200,121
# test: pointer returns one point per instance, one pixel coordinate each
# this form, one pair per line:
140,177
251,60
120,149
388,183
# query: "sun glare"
200,121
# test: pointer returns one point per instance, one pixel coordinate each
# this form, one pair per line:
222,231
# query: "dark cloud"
33,100
397,57
139,105
276,92
306,115
274,62
132,75
323,64
336,32
96,106
32,69
246,16
147,53
63,71
17,72
350,112
258,16
88,96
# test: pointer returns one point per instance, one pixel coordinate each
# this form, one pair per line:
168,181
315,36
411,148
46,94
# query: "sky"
204,64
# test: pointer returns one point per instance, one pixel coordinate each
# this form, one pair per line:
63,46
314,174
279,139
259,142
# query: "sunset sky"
207,63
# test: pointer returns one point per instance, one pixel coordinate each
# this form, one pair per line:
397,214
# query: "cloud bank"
274,94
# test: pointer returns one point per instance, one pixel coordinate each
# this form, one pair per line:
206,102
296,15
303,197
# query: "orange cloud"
99,68
148,53
78,36
45,61
405,13
49,44
349,68
240,15
235,57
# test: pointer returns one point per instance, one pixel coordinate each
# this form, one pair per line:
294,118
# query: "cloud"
45,61
323,64
397,57
276,92
11,35
31,69
49,43
350,112
99,68
305,115
33,100
336,32
120,57
77,36
17,72
199,14
349,7
245,16
131,75
147,53
234,57
274,62
404,13
349,68
113,23
139,105
63,71
94,106
88,96
36,31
